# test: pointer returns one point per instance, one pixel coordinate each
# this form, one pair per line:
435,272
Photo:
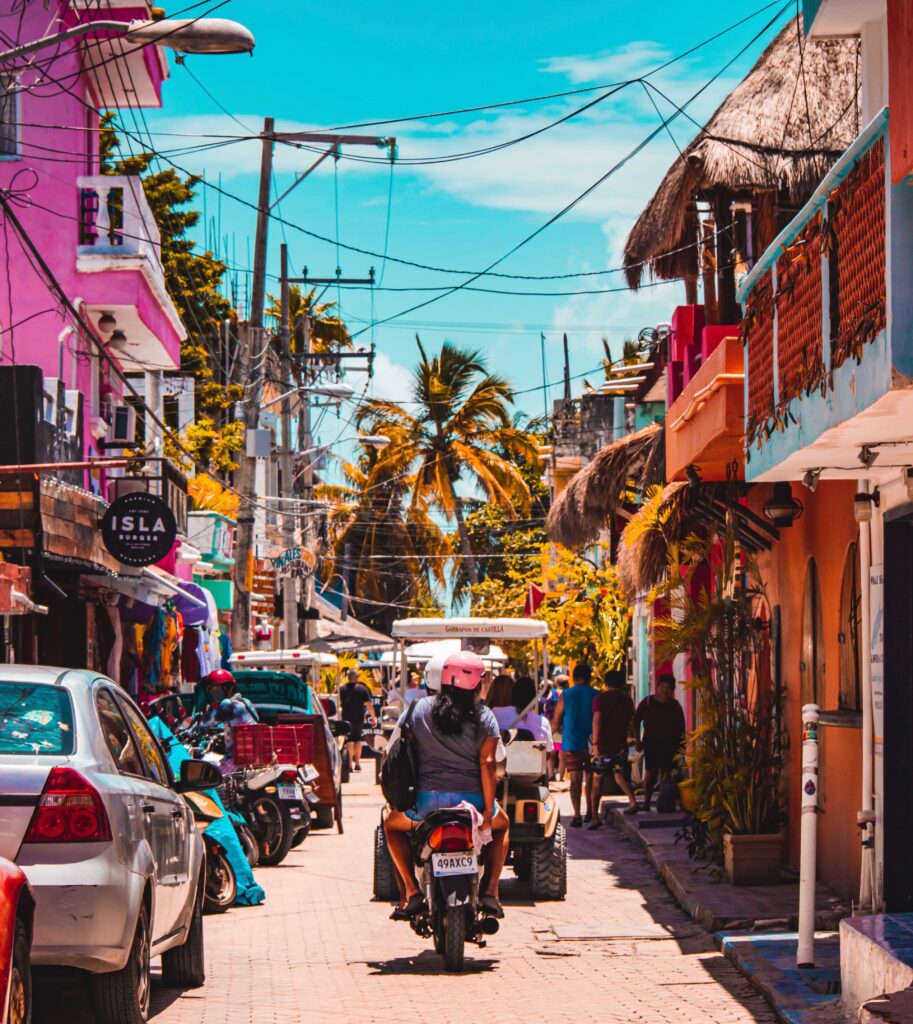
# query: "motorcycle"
449,874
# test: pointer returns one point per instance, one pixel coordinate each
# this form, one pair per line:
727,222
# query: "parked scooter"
221,882
449,874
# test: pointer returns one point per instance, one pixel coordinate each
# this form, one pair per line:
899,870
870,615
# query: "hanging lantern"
783,509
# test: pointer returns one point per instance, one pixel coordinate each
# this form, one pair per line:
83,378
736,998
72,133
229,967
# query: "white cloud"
618,65
391,380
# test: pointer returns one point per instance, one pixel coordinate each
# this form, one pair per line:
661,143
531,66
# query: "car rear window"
35,718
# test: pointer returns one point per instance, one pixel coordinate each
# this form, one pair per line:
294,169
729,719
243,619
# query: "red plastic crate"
263,744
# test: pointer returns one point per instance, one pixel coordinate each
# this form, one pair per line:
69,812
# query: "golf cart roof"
418,654
281,659
448,629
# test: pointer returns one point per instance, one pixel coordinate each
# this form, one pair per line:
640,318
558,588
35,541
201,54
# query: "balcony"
704,425
120,254
828,325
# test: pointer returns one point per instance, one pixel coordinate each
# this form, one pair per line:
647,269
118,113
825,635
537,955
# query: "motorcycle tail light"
530,813
289,775
450,838
70,811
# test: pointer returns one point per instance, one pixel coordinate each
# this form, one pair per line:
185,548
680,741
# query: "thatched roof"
781,127
596,492
670,516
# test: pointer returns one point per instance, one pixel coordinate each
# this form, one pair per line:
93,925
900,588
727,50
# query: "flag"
534,597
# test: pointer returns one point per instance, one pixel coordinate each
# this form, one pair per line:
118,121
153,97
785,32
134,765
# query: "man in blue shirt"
574,718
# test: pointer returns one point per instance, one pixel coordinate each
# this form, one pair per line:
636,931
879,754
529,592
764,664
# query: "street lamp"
338,392
186,35
378,441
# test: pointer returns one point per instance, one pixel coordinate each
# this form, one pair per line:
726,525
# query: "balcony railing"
817,297
115,219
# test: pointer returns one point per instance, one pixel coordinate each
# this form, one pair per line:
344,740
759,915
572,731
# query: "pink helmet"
463,670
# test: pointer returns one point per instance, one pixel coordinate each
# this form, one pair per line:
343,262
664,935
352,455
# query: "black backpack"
399,767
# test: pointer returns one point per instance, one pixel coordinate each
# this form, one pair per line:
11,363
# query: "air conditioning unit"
123,425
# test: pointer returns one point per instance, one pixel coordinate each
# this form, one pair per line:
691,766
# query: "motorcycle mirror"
198,775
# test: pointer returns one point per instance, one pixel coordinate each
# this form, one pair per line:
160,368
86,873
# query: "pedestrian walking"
574,718
355,699
663,722
613,713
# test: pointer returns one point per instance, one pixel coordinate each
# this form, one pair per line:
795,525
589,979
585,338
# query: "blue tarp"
250,894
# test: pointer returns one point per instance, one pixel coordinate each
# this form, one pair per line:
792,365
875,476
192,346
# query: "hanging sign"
294,563
139,528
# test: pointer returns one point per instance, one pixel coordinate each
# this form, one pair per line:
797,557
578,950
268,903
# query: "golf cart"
276,683
538,845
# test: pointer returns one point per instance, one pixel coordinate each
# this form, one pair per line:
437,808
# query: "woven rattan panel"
758,333
800,359
859,233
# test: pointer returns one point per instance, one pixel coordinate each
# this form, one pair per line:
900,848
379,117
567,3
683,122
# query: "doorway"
898,710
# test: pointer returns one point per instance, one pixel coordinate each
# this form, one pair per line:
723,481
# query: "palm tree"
461,429
389,550
328,332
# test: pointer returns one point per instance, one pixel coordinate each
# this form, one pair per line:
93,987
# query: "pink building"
61,401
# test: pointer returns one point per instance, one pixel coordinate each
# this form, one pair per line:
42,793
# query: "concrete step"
876,956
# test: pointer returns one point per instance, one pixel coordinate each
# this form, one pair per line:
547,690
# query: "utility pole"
252,357
308,538
289,597
251,370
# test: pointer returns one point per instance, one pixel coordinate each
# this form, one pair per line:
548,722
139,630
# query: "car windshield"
35,718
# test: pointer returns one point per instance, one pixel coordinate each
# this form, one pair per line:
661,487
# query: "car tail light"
530,813
451,837
289,775
69,811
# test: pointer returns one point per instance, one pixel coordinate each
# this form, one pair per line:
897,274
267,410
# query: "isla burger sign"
139,529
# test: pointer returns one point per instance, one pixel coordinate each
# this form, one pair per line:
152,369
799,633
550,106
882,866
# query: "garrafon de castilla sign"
139,528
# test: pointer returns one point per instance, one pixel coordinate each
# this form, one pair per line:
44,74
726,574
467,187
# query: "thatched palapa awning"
782,127
620,472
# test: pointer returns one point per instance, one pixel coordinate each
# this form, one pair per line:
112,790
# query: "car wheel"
122,997
273,829
19,1005
324,816
183,966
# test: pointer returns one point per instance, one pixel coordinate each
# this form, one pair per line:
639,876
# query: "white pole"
805,952
867,814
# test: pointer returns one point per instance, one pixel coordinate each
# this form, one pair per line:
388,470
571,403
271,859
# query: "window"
152,752
117,735
848,637
9,115
35,719
812,664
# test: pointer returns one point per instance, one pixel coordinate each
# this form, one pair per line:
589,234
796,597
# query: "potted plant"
736,750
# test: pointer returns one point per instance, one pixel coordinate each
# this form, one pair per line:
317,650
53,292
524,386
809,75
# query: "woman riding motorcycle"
457,739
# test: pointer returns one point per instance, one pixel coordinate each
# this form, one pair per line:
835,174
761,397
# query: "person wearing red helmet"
224,703
457,739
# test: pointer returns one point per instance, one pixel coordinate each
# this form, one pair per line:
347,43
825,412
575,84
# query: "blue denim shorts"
428,800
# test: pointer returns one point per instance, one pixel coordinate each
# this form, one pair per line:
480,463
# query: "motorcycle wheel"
248,844
304,831
454,938
385,887
221,883
272,828
346,767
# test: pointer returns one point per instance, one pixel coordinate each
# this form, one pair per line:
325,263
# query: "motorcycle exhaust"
489,925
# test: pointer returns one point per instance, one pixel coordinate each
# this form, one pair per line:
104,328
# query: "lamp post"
378,441
186,35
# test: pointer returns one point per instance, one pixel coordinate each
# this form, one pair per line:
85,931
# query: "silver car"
90,811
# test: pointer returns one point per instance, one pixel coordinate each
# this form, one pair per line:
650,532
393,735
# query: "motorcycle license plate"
289,792
454,864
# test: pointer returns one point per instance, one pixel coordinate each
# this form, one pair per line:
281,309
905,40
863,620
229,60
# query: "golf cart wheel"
548,874
522,864
385,887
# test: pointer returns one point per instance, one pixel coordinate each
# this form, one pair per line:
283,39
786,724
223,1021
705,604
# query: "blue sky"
319,66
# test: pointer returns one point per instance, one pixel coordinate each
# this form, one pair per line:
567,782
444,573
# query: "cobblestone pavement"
617,950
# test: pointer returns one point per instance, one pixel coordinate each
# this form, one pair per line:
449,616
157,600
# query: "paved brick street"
617,950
